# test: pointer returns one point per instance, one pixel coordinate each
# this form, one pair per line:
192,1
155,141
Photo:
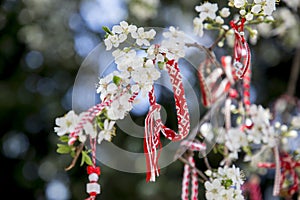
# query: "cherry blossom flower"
259,115
173,45
213,189
219,20
235,139
127,61
119,107
206,131
269,7
153,53
249,16
66,124
256,9
239,3
224,12
106,87
114,40
207,10
90,129
142,37
198,26
254,135
124,28
107,132
227,194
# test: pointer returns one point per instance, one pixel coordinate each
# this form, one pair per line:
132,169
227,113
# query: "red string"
154,124
242,54
287,165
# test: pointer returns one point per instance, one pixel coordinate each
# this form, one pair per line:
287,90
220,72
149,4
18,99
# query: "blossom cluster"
225,183
258,129
67,124
135,75
210,17
135,72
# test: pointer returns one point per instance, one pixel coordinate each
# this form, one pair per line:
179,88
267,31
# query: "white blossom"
219,20
207,10
198,26
269,137
206,131
296,122
243,12
249,16
107,132
256,9
224,12
114,40
213,189
153,53
235,139
259,115
106,86
119,107
124,28
269,7
239,3
66,124
254,135
173,45
90,129
143,37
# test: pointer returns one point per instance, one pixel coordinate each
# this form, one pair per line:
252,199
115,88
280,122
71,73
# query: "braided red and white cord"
154,124
190,173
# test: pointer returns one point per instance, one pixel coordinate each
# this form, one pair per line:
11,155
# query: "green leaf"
161,65
117,80
85,158
88,161
64,138
63,149
106,29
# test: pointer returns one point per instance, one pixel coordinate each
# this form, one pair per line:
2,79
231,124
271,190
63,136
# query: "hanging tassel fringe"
190,173
154,124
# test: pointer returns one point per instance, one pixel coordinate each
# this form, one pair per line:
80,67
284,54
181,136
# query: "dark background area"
42,44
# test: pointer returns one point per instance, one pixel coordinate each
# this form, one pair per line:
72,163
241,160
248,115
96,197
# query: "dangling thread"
190,173
154,124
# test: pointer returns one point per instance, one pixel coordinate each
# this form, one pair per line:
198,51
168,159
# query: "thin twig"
217,41
294,73
77,153
207,162
194,168
206,50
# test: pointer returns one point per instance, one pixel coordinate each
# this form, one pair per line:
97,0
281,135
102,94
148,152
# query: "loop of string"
154,124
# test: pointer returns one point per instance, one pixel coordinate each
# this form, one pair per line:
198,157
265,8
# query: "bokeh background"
42,45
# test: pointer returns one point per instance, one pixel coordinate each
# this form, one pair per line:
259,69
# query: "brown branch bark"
77,153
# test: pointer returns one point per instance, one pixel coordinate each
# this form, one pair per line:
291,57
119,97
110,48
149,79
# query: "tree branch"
77,153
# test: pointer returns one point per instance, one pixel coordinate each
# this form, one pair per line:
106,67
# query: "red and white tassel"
190,173
151,141
154,124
